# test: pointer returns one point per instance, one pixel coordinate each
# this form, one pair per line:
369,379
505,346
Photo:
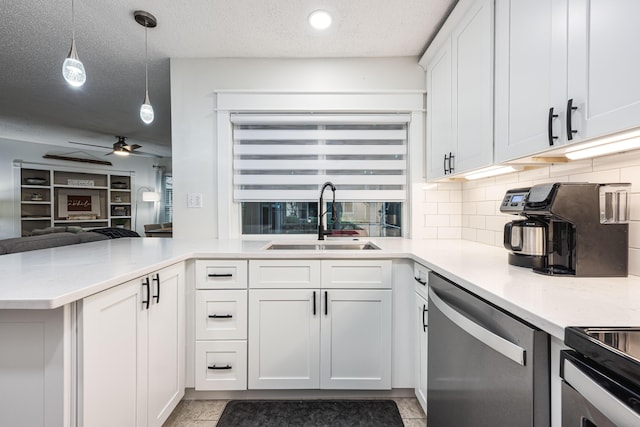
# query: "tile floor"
205,413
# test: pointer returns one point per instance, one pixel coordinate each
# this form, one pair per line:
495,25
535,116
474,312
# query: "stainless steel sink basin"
322,246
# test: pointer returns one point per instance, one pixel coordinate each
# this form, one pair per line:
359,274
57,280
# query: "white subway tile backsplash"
634,261
478,222
449,233
437,196
486,236
455,196
430,208
437,220
496,223
489,207
449,208
469,208
455,220
609,175
632,175
470,234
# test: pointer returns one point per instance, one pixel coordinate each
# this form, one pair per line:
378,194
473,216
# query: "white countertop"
51,278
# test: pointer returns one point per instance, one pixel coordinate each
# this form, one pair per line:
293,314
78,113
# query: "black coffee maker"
587,230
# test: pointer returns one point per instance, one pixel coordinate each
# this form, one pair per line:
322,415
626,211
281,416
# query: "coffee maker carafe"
585,227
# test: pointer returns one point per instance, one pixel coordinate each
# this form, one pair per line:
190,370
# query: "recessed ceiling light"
320,19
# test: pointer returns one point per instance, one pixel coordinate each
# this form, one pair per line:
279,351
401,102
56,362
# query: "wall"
11,150
194,83
470,210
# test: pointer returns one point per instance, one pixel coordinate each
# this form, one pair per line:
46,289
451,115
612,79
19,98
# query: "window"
167,198
281,162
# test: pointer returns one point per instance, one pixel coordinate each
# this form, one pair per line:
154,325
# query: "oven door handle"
496,342
611,407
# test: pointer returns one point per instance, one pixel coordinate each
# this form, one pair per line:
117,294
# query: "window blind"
287,157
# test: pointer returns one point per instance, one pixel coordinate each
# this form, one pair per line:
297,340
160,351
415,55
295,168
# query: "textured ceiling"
35,36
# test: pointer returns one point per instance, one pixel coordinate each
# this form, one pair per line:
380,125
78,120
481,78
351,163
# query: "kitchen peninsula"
52,283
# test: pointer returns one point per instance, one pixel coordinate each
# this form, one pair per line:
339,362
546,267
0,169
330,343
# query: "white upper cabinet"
564,73
531,76
459,72
604,66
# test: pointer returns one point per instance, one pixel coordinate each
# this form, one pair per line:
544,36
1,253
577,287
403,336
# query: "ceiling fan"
120,148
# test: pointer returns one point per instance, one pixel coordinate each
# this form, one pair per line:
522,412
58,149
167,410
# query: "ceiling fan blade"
143,154
90,145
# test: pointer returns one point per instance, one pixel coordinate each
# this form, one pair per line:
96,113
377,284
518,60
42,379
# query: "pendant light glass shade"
72,68
146,20
146,110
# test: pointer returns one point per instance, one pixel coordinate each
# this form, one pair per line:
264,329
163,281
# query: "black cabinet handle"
570,109
220,275
145,283
218,368
314,303
326,305
220,316
451,157
424,323
550,126
157,280
444,164
422,282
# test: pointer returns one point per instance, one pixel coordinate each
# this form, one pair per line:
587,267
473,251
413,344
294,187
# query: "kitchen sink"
322,246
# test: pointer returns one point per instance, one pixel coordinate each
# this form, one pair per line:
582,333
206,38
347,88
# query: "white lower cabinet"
421,332
221,325
321,337
356,339
284,338
131,351
420,349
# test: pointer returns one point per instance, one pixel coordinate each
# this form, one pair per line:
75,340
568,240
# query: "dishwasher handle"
496,342
611,407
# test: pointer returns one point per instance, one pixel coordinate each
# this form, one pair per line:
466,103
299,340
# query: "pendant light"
72,68
147,20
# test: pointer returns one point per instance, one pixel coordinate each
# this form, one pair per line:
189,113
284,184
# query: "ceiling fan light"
121,152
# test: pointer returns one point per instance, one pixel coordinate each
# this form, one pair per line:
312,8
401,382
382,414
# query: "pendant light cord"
146,63
73,22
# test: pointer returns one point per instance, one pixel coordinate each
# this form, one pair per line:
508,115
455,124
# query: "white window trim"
229,211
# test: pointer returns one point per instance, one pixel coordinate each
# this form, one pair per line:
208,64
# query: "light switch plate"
194,200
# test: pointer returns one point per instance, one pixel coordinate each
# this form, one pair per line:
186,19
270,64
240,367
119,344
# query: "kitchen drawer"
221,314
284,274
421,280
353,274
221,274
221,365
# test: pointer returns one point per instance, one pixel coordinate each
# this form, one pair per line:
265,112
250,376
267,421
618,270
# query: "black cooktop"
616,349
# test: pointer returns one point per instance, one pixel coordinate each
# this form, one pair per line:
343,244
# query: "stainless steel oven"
601,377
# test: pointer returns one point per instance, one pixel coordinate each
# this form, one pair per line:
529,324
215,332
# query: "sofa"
52,237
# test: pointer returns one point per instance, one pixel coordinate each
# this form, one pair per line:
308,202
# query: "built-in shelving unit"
87,199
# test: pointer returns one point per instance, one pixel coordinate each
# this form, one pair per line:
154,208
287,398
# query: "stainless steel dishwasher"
486,367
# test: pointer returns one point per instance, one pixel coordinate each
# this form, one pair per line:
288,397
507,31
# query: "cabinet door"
472,91
356,339
284,338
112,387
439,112
420,351
165,366
531,76
603,66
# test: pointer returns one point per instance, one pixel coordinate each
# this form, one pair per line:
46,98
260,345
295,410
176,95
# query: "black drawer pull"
570,109
221,275
550,126
422,282
314,303
219,368
424,323
146,302
157,280
220,316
